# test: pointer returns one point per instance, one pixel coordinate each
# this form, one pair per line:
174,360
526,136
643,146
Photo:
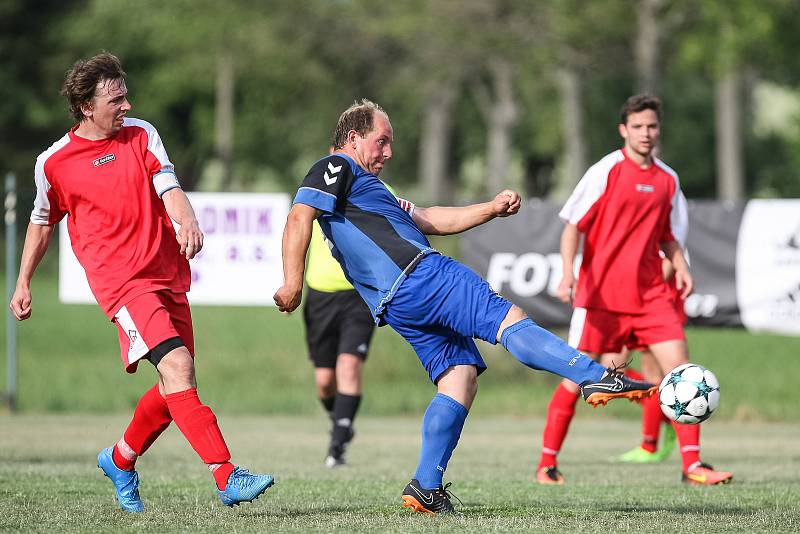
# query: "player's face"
641,132
108,107
375,148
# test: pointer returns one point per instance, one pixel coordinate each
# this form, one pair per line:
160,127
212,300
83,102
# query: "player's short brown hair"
80,83
358,117
638,103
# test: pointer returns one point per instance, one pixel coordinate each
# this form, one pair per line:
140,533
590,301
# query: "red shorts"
150,319
602,331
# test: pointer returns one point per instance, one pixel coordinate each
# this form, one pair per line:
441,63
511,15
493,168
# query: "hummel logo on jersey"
331,179
105,159
616,386
645,188
427,499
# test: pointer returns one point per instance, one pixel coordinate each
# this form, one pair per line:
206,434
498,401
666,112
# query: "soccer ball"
689,394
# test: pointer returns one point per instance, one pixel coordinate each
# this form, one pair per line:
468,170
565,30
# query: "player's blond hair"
358,117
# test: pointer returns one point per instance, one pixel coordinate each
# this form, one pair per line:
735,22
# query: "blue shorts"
440,308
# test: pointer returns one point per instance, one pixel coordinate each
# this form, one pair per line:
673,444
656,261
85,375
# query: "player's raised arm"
37,239
439,220
296,236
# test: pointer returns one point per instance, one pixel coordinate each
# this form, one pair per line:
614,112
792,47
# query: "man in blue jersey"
434,302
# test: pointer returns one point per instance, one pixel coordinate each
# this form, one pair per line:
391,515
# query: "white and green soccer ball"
689,394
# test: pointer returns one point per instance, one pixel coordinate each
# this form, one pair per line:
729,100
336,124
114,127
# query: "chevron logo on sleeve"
331,178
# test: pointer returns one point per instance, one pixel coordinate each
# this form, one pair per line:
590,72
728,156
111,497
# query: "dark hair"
80,83
357,117
638,103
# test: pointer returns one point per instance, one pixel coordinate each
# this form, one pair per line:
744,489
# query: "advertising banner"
768,266
240,263
745,260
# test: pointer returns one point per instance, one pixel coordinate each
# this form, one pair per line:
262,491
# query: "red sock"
689,440
651,422
633,373
559,414
150,418
199,425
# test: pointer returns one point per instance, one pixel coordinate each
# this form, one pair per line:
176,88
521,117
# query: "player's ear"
623,130
87,108
351,138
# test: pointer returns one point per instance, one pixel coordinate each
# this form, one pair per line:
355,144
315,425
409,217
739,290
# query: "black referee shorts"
336,323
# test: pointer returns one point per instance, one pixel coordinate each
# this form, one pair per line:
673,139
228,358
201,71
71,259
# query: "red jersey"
118,225
625,212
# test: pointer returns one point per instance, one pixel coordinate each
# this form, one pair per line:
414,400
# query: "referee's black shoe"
615,385
428,501
337,450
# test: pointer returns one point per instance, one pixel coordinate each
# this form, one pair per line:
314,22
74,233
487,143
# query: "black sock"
328,403
344,412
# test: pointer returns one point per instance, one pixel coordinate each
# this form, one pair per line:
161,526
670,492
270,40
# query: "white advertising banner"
240,263
768,266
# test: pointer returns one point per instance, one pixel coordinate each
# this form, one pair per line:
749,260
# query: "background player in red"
112,176
627,206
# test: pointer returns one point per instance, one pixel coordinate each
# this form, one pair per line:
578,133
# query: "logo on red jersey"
105,159
645,188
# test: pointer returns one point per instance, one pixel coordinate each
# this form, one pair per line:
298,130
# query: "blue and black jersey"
373,238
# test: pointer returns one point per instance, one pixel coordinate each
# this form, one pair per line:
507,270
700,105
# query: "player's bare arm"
440,220
37,239
683,278
189,236
570,237
296,237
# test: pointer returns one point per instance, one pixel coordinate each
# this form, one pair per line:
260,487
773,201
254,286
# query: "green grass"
253,361
48,479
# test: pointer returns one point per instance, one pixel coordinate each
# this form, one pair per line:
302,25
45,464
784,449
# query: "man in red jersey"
627,206
111,175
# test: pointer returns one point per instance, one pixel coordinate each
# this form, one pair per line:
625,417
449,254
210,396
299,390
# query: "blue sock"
539,349
441,428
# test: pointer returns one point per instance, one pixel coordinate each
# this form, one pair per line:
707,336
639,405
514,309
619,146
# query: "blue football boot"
126,483
244,487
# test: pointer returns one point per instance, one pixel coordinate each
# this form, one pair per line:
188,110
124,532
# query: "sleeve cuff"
164,181
316,199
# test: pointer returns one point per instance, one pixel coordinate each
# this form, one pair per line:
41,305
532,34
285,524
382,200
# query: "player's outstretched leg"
126,483
540,349
244,486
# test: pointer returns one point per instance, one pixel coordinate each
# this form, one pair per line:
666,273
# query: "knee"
326,382
177,366
471,383
514,315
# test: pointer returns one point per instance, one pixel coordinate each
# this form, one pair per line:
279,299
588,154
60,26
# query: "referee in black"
339,329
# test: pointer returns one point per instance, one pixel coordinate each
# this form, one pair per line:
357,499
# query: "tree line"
482,94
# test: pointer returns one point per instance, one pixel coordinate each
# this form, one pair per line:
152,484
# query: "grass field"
252,369
253,361
49,482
